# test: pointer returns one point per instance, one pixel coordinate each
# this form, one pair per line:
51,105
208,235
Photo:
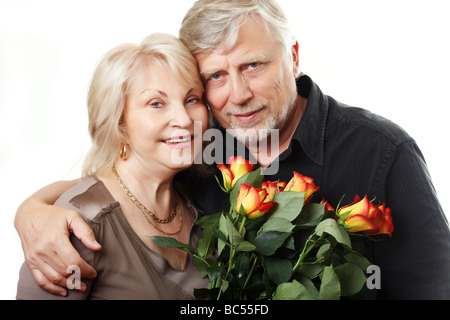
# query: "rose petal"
357,207
360,223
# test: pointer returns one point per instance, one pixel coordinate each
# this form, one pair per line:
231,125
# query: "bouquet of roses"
274,243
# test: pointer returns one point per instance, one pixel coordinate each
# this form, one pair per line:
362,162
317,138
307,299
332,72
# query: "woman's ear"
123,133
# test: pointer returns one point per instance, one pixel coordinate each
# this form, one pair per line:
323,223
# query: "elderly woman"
143,104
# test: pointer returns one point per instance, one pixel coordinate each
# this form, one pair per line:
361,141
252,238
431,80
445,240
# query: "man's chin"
250,135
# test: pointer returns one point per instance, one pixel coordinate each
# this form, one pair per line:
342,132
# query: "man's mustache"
247,108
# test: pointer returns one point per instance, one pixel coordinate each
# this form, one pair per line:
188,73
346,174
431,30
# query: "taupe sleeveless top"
126,267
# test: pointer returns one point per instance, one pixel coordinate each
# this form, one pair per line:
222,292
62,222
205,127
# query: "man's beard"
249,135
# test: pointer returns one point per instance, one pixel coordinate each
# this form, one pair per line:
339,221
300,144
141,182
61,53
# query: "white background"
388,56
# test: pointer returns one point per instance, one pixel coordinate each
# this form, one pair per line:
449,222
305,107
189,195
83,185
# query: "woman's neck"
152,188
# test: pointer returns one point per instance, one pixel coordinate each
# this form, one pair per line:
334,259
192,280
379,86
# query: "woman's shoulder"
89,197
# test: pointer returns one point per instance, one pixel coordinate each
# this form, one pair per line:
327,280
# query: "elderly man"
250,67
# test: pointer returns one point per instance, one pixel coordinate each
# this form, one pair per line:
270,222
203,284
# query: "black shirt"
351,151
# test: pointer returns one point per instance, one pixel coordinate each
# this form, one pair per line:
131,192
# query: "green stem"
252,270
233,250
202,259
242,224
232,254
305,252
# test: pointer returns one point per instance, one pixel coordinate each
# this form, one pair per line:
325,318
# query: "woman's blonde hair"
210,23
110,85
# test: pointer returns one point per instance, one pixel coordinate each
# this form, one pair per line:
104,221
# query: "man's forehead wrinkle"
214,63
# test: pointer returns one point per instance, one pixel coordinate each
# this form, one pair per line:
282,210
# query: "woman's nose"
180,117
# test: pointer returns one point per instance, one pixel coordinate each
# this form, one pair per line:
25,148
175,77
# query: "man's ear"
295,57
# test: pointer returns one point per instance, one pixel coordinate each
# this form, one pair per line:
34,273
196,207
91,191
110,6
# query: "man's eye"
254,65
216,77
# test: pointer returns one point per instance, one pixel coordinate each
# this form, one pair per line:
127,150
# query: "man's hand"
44,231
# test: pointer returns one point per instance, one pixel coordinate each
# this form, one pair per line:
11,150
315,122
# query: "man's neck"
267,151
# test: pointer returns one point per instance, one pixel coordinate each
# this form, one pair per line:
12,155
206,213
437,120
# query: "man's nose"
240,90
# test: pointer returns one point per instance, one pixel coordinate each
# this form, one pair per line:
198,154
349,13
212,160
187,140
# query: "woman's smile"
180,142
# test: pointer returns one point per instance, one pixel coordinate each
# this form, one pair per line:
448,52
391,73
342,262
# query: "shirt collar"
311,130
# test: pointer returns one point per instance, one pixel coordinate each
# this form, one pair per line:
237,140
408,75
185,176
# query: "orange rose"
362,215
238,167
302,183
272,188
252,201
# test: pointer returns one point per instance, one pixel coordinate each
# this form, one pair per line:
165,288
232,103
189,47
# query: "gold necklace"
145,212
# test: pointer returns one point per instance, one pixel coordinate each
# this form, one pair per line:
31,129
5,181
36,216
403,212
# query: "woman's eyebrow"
151,89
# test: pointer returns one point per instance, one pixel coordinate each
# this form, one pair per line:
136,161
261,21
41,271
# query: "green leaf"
310,270
311,215
224,285
223,230
201,266
324,252
308,284
278,224
214,272
227,228
253,178
330,288
245,246
168,242
209,220
288,205
351,278
267,284
293,291
233,234
206,243
219,234
279,270
242,266
223,225
331,227
358,260
268,242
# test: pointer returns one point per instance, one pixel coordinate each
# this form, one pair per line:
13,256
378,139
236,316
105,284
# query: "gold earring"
123,152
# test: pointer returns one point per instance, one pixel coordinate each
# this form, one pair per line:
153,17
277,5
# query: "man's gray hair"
210,23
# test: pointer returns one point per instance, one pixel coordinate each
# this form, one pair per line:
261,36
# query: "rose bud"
362,215
238,167
300,183
251,201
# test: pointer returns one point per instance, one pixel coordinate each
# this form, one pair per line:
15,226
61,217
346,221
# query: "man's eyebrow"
259,58
206,74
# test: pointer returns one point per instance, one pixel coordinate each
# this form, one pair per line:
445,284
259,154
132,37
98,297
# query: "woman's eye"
155,104
192,101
